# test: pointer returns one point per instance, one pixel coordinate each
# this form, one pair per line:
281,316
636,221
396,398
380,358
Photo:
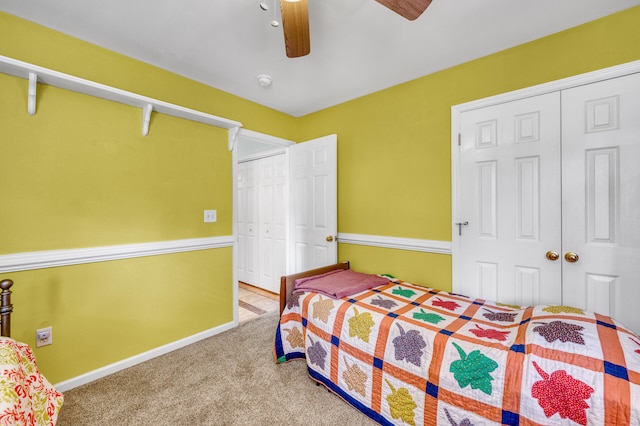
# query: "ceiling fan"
295,21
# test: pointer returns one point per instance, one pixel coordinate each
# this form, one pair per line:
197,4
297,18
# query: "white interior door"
247,223
510,202
272,220
601,197
314,223
260,208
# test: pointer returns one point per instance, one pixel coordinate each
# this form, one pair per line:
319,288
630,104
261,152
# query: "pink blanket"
339,284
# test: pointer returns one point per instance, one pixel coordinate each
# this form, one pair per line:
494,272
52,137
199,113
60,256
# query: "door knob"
571,257
330,238
552,255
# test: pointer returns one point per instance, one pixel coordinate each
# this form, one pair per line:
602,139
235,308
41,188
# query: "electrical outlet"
210,215
44,336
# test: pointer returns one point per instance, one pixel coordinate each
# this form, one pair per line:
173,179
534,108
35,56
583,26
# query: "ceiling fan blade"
295,25
409,9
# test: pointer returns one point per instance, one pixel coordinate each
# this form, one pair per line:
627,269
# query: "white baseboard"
413,244
140,358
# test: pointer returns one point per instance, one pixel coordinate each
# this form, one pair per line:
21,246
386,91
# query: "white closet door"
272,218
601,197
510,196
247,223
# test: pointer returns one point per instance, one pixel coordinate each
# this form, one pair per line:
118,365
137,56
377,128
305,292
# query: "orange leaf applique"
355,378
322,309
295,338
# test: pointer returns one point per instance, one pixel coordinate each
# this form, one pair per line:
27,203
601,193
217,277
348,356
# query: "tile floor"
254,302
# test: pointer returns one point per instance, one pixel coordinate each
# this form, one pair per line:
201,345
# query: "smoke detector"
264,80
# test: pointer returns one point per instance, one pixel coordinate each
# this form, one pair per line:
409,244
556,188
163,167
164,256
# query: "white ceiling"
357,46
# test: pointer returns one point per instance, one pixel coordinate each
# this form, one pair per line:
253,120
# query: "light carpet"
227,379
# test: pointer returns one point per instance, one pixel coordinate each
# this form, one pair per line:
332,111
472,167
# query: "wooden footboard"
287,281
5,308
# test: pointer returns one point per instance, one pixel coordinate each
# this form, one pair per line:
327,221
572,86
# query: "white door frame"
457,110
277,145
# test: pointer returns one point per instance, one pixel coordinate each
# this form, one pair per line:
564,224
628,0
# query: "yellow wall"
78,174
105,312
394,146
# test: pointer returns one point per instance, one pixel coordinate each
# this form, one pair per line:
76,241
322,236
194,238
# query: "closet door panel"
247,223
280,204
272,187
510,197
528,195
601,197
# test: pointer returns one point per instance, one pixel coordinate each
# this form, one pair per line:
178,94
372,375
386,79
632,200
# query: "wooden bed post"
5,308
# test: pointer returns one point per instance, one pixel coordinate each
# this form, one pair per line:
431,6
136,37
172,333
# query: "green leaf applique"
473,369
360,325
401,404
431,317
406,292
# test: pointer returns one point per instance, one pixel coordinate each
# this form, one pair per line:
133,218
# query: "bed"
406,354
26,397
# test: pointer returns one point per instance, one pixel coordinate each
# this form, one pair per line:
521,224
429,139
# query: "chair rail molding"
413,244
51,258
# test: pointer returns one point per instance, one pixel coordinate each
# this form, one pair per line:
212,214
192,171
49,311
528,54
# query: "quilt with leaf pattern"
409,355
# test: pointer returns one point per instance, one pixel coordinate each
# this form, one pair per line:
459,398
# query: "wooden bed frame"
5,308
287,282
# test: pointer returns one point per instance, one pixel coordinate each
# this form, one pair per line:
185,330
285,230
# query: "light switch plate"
210,216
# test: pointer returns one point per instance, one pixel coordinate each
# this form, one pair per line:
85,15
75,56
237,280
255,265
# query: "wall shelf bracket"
31,97
146,118
233,135
36,74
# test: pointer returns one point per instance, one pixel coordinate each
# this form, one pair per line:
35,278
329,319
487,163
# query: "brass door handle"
552,255
329,238
571,257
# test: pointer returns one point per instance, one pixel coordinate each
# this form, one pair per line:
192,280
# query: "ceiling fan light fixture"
408,9
295,26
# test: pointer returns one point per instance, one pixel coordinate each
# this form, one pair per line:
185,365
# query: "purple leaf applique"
408,346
